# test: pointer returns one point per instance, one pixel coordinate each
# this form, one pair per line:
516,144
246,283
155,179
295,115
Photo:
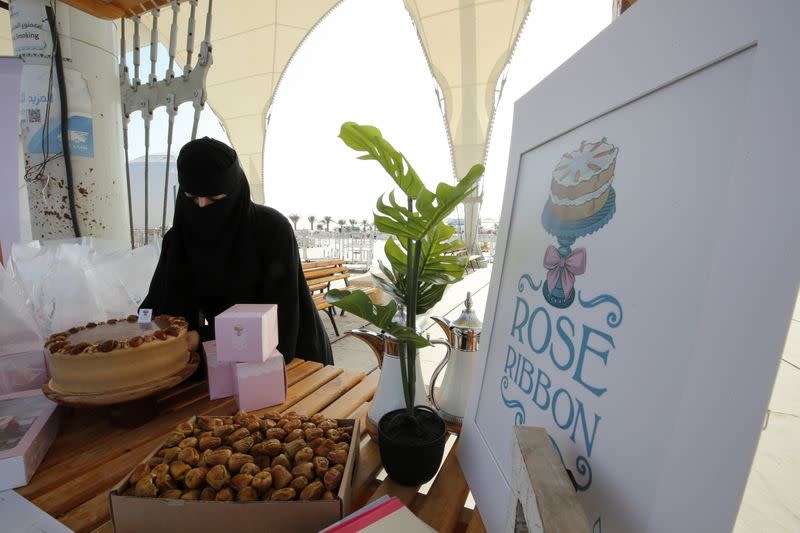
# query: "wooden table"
89,456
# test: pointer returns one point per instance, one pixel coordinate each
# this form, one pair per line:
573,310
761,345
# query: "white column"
88,47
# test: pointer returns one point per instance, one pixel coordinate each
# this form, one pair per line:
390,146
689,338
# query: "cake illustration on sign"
581,202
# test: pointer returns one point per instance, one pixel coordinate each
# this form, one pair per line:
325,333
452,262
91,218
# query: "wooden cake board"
128,407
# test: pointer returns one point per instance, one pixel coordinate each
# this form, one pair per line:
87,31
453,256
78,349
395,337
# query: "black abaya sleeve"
300,329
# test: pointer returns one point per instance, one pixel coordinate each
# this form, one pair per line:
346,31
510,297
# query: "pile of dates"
247,458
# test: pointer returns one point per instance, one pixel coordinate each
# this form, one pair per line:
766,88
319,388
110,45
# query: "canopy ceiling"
253,42
468,44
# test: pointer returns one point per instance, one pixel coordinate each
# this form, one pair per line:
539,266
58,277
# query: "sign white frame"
654,44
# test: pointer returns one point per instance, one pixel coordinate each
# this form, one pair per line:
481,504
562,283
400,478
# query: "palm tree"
327,220
294,218
311,220
352,222
341,223
365,225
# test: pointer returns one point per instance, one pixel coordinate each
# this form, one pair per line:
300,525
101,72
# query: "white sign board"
647,266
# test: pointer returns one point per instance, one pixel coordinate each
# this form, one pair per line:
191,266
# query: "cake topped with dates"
116,355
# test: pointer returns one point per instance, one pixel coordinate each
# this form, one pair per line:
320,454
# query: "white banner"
10,76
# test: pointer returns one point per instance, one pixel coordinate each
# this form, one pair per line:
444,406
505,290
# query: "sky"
364,63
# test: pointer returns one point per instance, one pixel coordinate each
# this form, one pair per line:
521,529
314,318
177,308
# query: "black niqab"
232,251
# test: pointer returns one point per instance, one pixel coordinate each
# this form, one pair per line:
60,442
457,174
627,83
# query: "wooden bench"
319,276
471,259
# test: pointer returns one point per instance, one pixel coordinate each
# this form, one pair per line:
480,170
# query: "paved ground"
771,502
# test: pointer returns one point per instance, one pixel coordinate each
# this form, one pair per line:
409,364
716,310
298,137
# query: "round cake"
582,180
116,355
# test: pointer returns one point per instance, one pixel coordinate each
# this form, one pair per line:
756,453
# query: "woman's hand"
193,340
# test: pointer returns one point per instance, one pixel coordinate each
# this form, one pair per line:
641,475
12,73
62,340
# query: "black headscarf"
212,234
232,251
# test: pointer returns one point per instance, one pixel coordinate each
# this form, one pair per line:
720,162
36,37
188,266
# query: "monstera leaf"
358,303
438,264
431,208
369,139
428,294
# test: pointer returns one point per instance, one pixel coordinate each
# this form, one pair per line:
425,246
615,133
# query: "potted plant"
411,439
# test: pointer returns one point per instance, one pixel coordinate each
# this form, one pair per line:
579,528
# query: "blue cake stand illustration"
567,232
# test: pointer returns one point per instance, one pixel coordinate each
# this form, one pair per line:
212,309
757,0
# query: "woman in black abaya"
223,250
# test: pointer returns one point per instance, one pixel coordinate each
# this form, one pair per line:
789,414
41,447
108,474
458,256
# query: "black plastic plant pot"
411,452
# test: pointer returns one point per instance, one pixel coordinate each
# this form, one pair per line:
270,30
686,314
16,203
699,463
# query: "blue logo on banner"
81,138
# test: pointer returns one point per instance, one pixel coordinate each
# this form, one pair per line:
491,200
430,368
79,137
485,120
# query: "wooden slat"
541,484
354,398
301,372
108,527
85,486
98,8
401,492
89,515
318,264
369,463
322,283
196,398
294,363
176,394
476,523
328,393
323,272
68,444
319,301
442,506
304,388
98,453
361,415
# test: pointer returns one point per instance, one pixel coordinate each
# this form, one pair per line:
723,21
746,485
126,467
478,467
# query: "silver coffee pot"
462,340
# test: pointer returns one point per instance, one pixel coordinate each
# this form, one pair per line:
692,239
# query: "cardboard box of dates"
242,473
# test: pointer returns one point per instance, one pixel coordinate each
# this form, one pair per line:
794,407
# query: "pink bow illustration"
563,268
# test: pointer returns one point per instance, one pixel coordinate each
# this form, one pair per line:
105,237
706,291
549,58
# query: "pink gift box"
259,385
246,333
22,449
220,375
24,370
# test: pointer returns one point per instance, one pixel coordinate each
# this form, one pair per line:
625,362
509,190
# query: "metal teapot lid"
468,319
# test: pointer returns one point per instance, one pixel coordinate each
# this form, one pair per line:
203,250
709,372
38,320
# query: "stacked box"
27,429
245,361
220,375
22,369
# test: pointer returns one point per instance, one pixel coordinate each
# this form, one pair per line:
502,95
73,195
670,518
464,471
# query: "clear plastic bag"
75,281
22,364
18,329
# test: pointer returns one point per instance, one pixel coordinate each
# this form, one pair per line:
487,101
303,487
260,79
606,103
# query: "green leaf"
368,139
359,304
388,287
395,254
438,265
433,209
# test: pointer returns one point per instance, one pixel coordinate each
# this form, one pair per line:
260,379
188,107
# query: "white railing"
356,248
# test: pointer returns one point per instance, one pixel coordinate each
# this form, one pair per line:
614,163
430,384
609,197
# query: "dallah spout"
374,340
445,324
